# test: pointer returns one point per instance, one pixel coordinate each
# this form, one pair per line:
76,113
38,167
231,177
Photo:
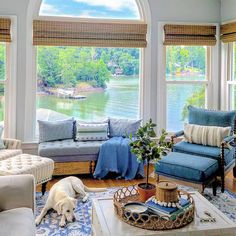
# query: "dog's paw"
62,224
37,221
85,199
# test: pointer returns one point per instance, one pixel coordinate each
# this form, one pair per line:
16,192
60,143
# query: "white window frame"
31,88
212,98
229,78
10,82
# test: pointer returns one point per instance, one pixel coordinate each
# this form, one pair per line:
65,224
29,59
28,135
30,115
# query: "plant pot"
145,193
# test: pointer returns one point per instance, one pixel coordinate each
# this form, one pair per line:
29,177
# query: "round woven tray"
149,221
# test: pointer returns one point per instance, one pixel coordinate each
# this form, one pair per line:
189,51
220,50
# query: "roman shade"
228,32
189,35
94,34
5,30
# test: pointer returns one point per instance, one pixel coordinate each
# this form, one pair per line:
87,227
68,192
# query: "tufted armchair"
12,143
17,205
225,155
12,148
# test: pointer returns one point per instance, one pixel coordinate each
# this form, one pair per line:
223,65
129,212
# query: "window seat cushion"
69,148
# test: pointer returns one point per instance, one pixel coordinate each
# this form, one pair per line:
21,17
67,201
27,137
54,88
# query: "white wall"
228,10
206,11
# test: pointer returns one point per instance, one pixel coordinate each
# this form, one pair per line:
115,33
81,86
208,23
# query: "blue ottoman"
188,168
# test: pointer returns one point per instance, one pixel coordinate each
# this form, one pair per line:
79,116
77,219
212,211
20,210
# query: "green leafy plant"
147,147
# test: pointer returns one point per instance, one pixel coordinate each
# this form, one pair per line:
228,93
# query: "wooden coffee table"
106,222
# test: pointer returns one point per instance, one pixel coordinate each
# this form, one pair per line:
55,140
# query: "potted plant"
148,148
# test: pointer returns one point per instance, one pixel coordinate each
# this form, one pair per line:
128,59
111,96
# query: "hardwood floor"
230,182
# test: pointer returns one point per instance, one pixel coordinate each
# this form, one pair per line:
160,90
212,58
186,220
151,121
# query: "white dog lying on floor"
62,198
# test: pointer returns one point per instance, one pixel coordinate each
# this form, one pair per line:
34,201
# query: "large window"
231,83
3,78
108,9
187,77
87,83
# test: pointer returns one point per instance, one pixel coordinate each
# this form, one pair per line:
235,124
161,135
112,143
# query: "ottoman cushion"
187,167
41,168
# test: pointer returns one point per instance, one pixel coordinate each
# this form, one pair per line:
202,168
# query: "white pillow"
205,135
91,132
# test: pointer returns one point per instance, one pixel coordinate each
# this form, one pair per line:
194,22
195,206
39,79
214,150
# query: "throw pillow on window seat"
123,127
56,130
91,131
205,135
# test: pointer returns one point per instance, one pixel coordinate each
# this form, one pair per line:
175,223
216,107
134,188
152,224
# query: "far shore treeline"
67,66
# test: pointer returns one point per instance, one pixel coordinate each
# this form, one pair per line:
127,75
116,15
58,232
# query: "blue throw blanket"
115,156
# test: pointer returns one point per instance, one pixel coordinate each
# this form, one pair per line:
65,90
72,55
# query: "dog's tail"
87,189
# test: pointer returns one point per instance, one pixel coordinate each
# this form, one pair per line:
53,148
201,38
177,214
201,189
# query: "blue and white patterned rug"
225,202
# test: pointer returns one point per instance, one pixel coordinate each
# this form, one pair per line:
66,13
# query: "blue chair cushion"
204,151
206,117
187,167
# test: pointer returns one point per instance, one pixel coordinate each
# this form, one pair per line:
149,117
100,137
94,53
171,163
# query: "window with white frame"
3,78
93,81
186,78
231,79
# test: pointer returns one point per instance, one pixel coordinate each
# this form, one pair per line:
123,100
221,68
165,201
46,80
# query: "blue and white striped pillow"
92,131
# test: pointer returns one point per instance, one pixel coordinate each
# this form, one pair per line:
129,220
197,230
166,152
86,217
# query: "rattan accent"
5,30
71,168
228,32
167,192
146,221
189,35
59,33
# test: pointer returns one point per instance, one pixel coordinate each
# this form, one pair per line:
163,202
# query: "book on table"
167,211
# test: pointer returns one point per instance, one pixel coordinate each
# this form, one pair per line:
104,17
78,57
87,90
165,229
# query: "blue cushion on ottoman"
187,167
206,117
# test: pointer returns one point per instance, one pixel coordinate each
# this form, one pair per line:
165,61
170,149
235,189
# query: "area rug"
225,202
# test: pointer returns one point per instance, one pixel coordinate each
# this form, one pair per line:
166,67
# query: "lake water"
120,99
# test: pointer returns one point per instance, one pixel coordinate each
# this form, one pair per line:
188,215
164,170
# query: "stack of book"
170,212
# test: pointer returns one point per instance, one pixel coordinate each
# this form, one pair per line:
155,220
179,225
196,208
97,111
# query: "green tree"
196,99
49,71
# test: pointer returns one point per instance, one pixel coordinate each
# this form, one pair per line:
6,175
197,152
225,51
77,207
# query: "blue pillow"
123,127
56,130
206,117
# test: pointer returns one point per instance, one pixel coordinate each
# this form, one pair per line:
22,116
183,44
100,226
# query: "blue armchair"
225,155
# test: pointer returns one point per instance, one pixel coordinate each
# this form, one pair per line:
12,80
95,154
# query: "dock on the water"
69,94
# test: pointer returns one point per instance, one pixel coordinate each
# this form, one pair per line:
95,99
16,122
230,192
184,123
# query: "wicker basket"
149,221
167,192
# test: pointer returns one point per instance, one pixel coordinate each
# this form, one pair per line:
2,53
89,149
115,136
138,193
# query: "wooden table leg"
43,189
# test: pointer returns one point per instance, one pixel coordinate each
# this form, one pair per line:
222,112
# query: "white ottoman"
40,167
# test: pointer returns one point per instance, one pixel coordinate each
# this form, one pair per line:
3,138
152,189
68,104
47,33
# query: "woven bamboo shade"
228,32
189,35
58,33
5,30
